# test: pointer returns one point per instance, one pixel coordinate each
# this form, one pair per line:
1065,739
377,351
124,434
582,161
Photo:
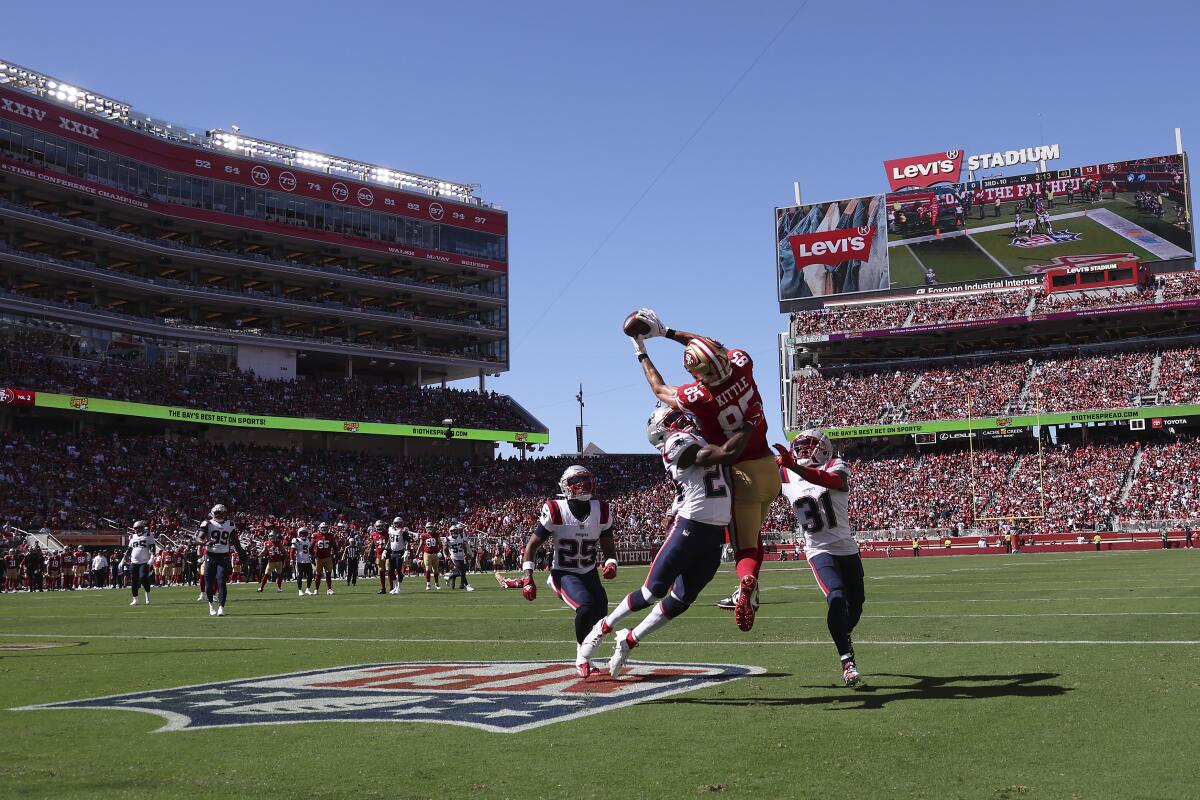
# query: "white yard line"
721,643
1135,233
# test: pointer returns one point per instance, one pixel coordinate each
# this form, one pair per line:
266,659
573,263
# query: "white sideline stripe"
723,643
720,619
987,253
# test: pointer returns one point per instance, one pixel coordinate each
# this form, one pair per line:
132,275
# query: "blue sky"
640,148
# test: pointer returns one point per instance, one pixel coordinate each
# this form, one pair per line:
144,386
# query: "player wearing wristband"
722,398
582,530
818,487
691,554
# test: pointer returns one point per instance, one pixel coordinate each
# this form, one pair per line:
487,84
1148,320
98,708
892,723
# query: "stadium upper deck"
123,224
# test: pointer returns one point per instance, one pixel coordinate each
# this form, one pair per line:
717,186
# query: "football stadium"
268,526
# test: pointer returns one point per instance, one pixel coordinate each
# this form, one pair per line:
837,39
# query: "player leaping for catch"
691,554
722,396
818,487
582,530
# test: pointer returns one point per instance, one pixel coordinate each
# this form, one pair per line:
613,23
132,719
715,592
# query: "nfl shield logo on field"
503,696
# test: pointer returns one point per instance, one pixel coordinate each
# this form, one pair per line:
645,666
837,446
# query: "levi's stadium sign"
173,414
924,171
832,247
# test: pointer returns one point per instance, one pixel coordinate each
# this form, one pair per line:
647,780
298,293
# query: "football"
635,325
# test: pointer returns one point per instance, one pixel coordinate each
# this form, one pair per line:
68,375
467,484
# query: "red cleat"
585,669
743,612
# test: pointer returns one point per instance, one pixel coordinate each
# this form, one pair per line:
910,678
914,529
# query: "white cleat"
300,592
200,597
329,591
212,610
278,589
590,642
620,652
470,588
437,586
395,590
221,611
428,587
133,602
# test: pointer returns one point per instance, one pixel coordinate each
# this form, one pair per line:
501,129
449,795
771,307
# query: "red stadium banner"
17,397
832,247
118,138
924,171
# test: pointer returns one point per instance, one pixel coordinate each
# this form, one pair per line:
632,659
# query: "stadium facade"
145,240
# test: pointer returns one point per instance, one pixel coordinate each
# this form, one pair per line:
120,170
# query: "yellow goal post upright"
976,501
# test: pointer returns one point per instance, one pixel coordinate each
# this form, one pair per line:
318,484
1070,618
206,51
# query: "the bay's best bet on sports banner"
938,229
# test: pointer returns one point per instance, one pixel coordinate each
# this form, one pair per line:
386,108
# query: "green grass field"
1029,676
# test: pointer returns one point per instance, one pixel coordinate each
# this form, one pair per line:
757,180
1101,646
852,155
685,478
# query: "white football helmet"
811,448
397,521
217,513
139,526
665,419
302,533
577,483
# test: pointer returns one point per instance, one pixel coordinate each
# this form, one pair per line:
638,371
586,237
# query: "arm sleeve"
830,479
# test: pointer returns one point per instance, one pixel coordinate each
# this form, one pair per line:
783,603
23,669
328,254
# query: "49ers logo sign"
832,247
924,171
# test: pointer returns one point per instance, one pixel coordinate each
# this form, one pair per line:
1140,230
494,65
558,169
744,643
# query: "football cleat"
220,611
587,648
437,586
260,590
428,587
329,591
730,603
134,602
200,597
625,642
212,610
470,588
743,613
300,592
849,672
584,668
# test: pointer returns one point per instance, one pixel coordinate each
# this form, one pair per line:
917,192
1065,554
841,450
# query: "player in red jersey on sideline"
431,550
722,395
324,553
273,554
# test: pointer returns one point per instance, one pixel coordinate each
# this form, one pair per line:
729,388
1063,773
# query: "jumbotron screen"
1135,210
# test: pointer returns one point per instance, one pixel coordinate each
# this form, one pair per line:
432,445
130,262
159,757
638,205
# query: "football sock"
838,621
653,621
634,601
748,562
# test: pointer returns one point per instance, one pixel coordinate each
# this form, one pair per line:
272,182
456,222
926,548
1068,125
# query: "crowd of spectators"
995,388
49,362
69,482
989,305
1165,485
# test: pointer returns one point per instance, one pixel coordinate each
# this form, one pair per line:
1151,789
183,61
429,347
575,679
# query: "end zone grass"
1028,676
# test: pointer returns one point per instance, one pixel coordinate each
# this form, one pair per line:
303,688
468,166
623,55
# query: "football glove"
784,459
609,569
639,345
529,589
650,317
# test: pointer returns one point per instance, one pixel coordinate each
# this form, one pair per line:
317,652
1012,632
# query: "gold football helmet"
707,360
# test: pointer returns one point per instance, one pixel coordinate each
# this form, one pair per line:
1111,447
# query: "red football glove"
529,589
609,569
784,459
754,416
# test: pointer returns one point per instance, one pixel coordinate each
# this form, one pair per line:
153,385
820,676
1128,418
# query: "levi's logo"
925,170
832,247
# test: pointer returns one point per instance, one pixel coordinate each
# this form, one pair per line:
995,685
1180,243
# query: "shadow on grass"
871,695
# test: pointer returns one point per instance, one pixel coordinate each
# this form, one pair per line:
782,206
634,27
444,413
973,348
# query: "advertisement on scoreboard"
831,248
992,227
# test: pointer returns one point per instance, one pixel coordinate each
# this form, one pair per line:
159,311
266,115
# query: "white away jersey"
701,493
397,539
141,548
457,542
823,514
576,543
302,550
219,535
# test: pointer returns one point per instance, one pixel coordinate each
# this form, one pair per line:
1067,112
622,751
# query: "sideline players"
691,554
219,536
139,555
323,551
396,546
582,529
722,396
273,556
431,554
818,487
456,546
302,561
